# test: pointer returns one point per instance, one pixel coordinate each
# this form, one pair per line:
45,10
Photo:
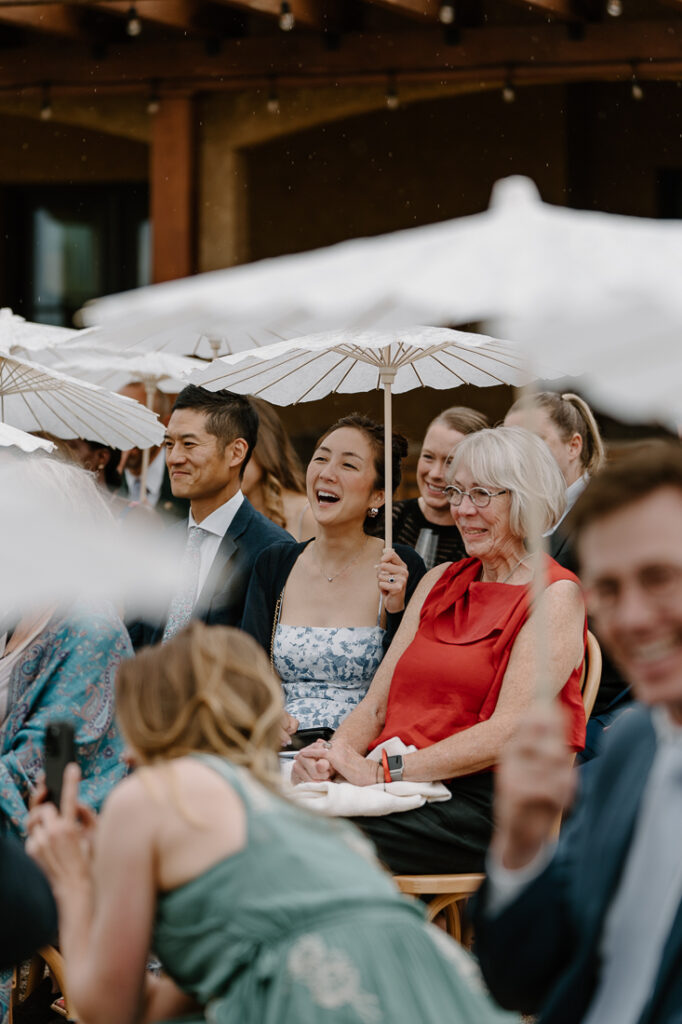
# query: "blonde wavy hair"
210,690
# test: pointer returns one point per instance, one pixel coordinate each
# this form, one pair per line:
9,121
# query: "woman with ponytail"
567,426
258,910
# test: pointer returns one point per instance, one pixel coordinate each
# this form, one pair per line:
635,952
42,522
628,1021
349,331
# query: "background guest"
274,481
425,522
318,607
97,458
567,426
257,910
159,493
463,668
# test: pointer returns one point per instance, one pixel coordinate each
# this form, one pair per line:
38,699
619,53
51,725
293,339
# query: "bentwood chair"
49,957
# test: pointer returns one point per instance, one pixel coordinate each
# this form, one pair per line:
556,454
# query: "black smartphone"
60,750
304,737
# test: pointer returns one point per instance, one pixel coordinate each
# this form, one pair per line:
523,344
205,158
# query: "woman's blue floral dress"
325,670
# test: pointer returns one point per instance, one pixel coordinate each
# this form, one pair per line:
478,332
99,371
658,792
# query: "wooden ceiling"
193,45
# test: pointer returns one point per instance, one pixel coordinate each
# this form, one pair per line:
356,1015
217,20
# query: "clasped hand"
336,760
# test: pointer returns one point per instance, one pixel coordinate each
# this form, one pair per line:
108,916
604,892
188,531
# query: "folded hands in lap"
335,760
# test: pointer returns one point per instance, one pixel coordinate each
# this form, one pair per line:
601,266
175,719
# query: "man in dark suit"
591,932
209,440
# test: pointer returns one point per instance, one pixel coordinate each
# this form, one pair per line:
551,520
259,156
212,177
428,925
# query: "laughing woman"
326,610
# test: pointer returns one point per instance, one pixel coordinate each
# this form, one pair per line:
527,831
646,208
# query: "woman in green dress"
260,912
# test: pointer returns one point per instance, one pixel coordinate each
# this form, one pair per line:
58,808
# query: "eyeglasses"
478,496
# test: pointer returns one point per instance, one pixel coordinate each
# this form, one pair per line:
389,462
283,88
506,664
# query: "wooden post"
172,188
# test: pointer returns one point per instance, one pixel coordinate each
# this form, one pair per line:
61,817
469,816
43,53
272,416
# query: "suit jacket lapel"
606,852
225,553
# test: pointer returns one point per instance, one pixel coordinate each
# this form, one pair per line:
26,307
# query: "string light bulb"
508,92
154,102
46,104
636,90
286,16
391,97
614,8
273,98
134,23
446,12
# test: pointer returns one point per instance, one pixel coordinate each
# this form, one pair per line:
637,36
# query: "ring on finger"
327,745
391,579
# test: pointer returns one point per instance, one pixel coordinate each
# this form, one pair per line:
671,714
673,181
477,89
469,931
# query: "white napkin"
344,800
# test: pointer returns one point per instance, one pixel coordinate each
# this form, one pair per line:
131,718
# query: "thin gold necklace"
509,574
330,579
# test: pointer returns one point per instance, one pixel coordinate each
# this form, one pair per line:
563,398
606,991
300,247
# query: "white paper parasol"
113,369
88,359
576,287
11,437
34,398
16,332
347,362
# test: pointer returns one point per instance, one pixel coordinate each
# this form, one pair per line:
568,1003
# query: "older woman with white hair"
463,666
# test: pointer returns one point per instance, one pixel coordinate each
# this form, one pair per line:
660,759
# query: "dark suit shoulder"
248,518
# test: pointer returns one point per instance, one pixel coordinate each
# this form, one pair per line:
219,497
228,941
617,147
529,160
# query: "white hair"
515,460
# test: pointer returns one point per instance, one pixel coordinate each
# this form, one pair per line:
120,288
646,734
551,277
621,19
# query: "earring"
373,512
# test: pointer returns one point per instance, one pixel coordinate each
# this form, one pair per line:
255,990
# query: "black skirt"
451,837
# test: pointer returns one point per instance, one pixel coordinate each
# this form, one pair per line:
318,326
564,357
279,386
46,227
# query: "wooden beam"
172,189
563,10
176,14
422,9
309,13
655,46
55,19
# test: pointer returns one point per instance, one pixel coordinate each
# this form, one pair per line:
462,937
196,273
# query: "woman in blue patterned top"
326,610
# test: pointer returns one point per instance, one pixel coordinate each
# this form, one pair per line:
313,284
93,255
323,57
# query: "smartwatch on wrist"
395,767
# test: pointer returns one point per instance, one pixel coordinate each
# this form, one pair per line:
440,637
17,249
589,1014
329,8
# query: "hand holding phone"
60,750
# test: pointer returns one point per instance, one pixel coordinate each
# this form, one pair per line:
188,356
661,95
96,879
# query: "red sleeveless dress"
450,676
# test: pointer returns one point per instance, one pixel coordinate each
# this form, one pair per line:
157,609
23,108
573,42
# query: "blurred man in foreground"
591,931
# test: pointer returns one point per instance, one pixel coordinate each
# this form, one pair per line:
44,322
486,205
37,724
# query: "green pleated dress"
303,927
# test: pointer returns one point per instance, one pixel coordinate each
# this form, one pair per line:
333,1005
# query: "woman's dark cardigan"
271,572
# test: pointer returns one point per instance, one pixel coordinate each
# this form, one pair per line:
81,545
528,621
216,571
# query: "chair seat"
448,891
435,885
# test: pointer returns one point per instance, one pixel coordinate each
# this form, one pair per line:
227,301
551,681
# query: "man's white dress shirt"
155,471
215,526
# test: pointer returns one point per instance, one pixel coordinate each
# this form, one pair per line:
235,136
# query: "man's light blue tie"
182,605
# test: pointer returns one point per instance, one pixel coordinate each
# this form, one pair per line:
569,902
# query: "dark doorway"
62,245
